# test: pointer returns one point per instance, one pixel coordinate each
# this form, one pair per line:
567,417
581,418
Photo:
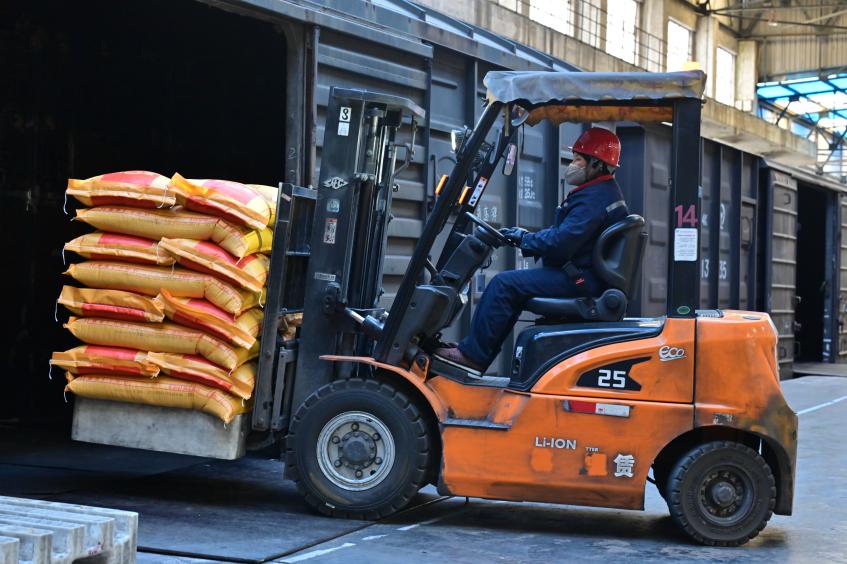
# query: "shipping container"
804,271
238,89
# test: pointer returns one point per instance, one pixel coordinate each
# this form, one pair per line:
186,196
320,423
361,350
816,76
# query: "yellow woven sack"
249,273
152,224
239,382
112,246
201,314
162,391
222,198
113,304
241,241
150,280
271,195
178,223
93,359
139,188
158,337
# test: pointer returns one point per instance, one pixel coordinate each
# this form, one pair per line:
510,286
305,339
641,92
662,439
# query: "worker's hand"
514,234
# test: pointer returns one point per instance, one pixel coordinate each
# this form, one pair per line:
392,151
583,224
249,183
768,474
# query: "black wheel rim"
725,495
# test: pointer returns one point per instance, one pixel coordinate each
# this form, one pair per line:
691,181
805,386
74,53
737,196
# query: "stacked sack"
174,280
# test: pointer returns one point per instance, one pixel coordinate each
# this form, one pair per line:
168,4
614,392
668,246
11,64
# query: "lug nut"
378,460
376,436
358,473
337,463
335,440
355,426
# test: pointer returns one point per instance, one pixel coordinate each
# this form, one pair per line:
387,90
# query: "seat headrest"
617,253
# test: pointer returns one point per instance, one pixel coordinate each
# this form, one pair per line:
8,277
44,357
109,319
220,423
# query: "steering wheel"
488,229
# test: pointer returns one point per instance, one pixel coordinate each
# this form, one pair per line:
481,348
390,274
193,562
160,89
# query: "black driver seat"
616,260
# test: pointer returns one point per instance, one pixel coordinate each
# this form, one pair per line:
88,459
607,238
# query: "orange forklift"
597,404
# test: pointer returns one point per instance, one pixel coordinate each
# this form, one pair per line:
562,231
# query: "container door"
783,265
842,280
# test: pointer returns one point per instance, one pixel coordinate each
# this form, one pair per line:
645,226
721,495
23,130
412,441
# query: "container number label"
344,114
687,217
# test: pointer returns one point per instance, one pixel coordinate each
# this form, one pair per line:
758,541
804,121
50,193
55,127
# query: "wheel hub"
355,450
725,495
358,450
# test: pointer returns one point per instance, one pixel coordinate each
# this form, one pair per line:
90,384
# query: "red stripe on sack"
117,200
200,359
114,312
215,251
238,192
210,308
126,240
136,177
202,379
110,369
205,206
197,267
134,260
201,325
120,353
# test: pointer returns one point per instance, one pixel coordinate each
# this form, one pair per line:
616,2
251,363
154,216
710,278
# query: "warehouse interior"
101,86
815,209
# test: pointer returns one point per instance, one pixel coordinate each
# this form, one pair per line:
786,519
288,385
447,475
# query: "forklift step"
465,375
476,424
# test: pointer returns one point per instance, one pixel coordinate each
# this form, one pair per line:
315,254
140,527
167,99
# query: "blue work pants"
503,301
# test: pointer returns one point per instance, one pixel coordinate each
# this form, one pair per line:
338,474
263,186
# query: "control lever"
369,324
333,303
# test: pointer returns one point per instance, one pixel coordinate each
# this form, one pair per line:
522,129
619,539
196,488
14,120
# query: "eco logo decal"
667,353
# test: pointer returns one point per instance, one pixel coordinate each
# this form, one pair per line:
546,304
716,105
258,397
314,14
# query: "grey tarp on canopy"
540,87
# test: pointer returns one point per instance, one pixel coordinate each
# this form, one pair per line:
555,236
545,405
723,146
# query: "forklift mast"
349,229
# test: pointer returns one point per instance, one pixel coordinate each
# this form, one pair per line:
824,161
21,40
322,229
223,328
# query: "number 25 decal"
611,378
614,376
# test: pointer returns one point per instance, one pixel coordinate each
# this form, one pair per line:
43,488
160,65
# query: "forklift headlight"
458,137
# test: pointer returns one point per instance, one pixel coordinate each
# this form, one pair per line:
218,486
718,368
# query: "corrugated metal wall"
786,55
789,49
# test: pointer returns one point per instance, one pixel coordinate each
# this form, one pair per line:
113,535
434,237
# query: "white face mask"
575,175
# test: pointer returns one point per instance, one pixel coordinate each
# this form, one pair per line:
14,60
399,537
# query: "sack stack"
174,280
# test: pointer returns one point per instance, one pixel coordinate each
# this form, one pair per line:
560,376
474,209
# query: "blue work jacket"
586,211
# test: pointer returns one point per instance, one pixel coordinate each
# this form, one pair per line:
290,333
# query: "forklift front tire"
721,493
358,449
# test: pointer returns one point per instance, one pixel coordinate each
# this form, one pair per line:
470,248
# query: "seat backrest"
618,252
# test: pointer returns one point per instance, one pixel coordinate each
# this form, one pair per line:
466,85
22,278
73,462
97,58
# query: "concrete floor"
195,510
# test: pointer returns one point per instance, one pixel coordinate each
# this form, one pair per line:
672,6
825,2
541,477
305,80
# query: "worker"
565,249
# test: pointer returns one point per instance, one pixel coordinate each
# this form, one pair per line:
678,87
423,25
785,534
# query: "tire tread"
675,493
415,418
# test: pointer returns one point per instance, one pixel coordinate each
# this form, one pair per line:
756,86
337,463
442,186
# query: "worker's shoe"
454,356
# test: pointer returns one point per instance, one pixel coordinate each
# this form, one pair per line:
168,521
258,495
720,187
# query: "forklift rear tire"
358,449
721,493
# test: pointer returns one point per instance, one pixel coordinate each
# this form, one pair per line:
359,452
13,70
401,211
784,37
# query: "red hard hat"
600,143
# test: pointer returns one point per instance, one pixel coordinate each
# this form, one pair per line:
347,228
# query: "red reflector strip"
594,408
579,406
